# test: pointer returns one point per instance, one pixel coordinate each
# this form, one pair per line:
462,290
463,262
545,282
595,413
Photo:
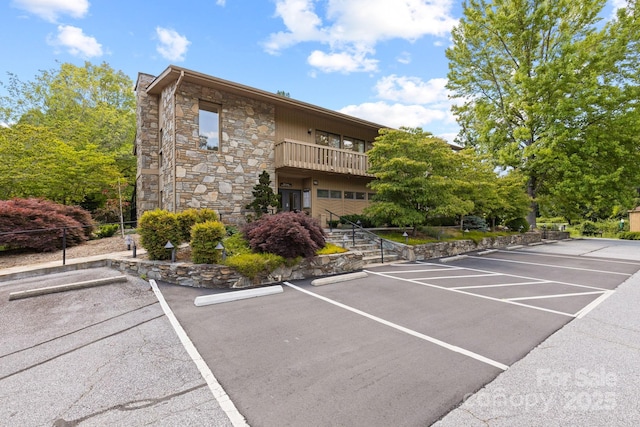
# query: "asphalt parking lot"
403,346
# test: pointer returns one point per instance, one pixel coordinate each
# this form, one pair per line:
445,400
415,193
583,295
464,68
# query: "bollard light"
170,246
127,241
220,247
406,238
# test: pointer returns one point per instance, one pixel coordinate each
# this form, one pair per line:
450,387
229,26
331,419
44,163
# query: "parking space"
402,346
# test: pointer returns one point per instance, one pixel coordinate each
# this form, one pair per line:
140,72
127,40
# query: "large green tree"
91,110
417,178
546,89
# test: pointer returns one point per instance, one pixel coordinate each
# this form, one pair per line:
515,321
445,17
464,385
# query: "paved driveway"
402,346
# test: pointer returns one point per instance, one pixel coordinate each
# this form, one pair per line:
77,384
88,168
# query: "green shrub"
630,235
589,228
236,244
107,230
365,221
189,217
156,228
205,236
252,265
515,224
287,234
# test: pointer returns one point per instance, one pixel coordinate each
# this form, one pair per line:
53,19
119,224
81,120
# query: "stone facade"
175,174
220,276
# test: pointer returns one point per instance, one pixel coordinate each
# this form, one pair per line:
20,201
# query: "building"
202,142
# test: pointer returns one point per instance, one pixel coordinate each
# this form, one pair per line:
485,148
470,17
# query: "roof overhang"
174,73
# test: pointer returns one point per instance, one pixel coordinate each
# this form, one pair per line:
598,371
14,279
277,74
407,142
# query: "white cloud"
50,9
173,46
356,26
412,90
342,62
396,115
404,58
221,2
76,42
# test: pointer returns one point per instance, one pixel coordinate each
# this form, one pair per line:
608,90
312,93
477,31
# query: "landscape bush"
589,228
365,221
252,265
187,218
515,224
236,244
156,228
107,230
19,216
287,234
630,235
330,249
205,236
472,222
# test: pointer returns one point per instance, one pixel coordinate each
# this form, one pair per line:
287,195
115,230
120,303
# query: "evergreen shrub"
107,230
189,217
472,222
156,228
205,236
287,234
365,221
589,228
629,235
515,224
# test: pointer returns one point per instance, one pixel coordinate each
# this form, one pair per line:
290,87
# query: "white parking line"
553,296
503,284
448,268
531,278
550,265
236,418
411,332
430,285
464,276
583,312
577,257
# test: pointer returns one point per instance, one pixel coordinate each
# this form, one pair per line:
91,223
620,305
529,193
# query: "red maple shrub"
20,218
287,234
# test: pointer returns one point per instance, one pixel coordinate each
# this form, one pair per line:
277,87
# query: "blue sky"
380,60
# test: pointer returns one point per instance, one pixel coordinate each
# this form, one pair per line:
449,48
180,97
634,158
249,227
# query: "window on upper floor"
209,126
353,144
328,139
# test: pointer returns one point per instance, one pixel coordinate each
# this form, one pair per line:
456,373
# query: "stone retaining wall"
220,276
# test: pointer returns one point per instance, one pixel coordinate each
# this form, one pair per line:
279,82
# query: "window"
209,126
328,139
353,144
329,194
354,195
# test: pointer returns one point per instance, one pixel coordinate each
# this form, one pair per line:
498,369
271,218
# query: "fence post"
64,246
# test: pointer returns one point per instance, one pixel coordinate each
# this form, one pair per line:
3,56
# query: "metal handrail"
353,228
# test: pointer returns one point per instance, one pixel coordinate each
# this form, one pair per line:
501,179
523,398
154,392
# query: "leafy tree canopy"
71,133
545,89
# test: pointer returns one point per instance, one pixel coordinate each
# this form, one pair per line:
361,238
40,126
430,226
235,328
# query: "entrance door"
290,200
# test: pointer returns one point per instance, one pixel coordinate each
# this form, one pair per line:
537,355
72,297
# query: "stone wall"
220,276
147,182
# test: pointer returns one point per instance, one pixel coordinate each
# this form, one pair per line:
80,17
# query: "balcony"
303,155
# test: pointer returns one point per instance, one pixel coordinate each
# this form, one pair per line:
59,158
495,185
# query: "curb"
64,288
338,278
453,258
236,295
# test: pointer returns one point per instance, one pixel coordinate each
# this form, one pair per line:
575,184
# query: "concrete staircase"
364,242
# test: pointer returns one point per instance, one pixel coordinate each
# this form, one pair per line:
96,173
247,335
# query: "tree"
89,109
545,91
38,164
263,196
416,178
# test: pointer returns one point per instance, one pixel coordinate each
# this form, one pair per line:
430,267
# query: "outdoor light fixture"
406,238
220,247
170,246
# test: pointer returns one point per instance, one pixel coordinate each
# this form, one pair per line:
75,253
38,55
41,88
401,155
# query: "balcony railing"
303,155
